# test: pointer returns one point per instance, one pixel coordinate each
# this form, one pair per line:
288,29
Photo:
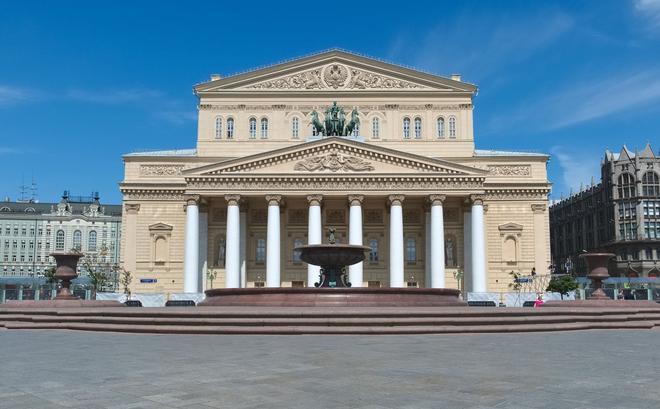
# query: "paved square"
60,369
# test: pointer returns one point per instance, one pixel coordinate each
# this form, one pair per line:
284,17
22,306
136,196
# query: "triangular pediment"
335,70
160,227
333,156
510,227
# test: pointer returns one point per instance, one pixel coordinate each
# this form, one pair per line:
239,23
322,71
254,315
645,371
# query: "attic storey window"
406,128
253,128
218,127
230,128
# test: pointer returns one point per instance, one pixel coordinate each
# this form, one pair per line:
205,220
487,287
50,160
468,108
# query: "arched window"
375,128
626,186
295,127
510,250
160,249
230,128
260,253
411,250
222,251
91,242
440,131
296,253
406,128
373,256
650,184
253,128
264,128
218,127
356,130
452,127
418,128
59,240
77,239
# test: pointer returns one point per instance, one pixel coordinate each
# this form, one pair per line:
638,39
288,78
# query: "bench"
529,303
482,304
180,303
133,303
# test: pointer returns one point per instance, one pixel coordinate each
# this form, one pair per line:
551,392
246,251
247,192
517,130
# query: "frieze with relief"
334,162
509,170
161,170
335,76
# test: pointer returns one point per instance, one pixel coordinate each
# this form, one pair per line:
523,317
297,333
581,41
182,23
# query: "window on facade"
406,128
59,240
295,128
627,210
77,239
651,184
440,131
628,230
418,128
375,128
22,244
91,242
260,253
222,251
253,128
230,128
651,208
356,130
373,255
264,128
411,250
218,127
296,253
652,229
452,127
626,186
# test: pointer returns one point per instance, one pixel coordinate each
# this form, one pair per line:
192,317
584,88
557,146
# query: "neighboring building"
29,232
263,180
620,215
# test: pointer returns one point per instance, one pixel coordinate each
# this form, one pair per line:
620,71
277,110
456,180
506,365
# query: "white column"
478,246
273,242
396,240
427,248
203,248
314,235
243,247
467,251
437,242
355,272
233,243
191,246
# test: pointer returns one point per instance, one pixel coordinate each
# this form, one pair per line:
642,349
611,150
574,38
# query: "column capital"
314,200
233,200
395,200
274,200
477,199
437,200
132,208
355,200
192,200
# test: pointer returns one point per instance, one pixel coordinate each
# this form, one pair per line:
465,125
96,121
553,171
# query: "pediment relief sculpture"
335,76
334,162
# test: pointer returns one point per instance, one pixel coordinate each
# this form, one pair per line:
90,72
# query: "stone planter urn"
598,271
67,265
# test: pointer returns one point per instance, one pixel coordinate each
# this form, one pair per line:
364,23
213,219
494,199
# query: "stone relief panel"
373,216
334,162
335,76
509,170
297,216
161,170
335,216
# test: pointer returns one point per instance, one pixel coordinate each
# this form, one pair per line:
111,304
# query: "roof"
486,152
46,208
169,153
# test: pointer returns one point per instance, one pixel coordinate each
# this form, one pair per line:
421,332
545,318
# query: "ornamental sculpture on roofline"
335,121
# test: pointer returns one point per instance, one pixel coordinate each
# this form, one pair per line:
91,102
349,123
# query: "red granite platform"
77,303
334,297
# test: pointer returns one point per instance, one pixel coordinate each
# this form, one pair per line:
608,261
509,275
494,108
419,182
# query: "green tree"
562,285
515,283
49,275
125,279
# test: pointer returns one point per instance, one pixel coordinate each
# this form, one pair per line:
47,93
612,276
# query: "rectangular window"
260,253
23,231
373,254
411,250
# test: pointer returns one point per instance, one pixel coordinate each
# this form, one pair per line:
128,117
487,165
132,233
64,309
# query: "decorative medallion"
334,162
335,75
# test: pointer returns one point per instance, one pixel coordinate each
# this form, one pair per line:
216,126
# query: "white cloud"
650,9
583,101
10,95
577,168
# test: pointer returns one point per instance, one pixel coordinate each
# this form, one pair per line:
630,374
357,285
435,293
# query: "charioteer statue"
335,121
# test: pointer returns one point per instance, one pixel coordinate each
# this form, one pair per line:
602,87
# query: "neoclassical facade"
404,179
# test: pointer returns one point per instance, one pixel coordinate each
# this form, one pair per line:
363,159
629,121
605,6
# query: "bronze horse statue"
316,123
353,123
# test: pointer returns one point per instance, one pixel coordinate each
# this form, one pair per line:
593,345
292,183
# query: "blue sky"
81,83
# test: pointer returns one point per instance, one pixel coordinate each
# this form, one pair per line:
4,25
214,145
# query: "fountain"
333,288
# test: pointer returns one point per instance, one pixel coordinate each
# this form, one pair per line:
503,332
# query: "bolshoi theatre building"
383,154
